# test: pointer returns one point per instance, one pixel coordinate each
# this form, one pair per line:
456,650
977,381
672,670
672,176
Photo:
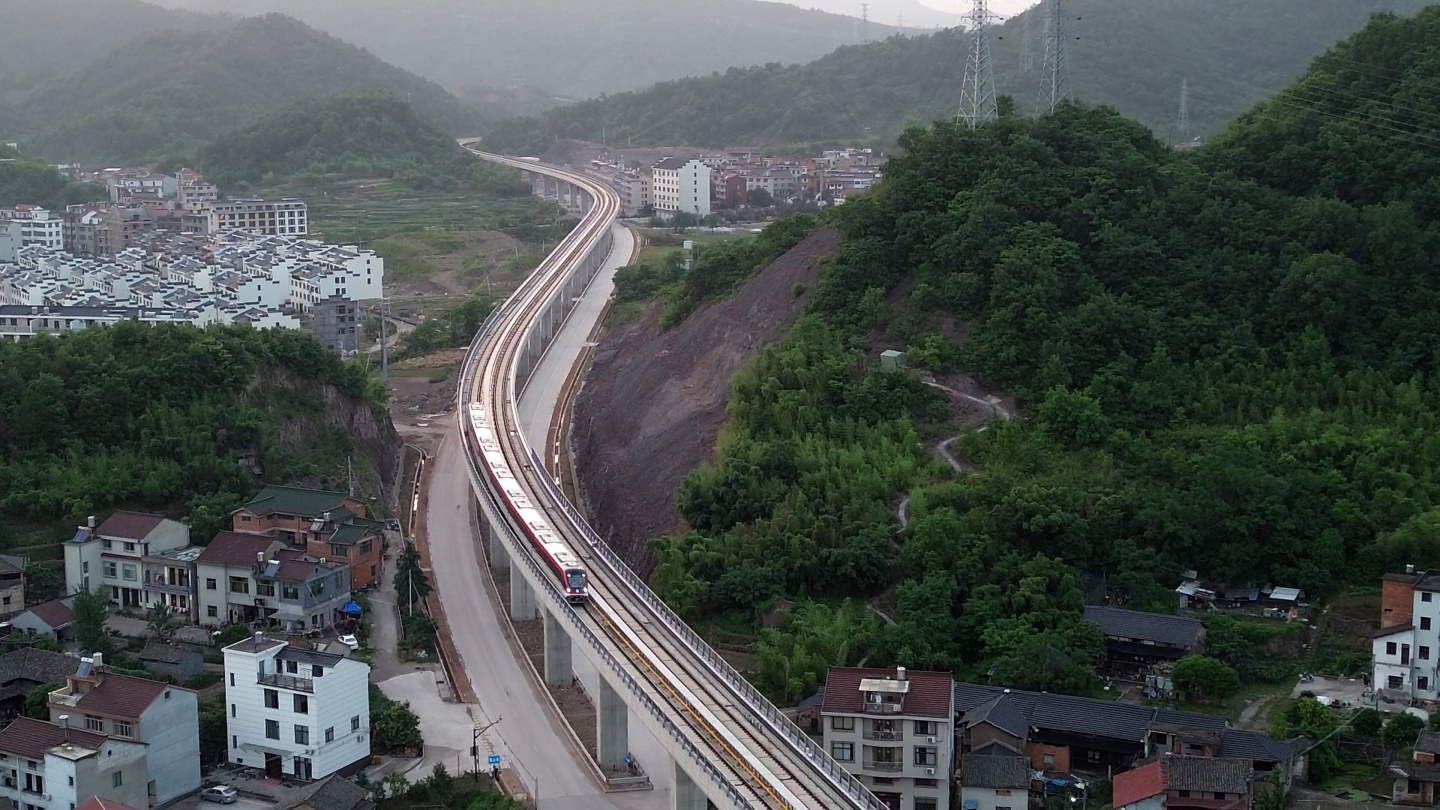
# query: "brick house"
1192,783
1415,780
330,525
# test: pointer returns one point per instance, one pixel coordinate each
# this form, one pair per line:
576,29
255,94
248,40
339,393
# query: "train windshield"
575,580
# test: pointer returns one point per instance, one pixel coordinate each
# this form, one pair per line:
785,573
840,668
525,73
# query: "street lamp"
475,743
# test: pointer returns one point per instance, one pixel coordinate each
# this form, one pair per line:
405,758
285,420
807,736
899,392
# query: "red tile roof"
54,613
122,695
97,803
31,738
929,696
129,525
235,548
1139,784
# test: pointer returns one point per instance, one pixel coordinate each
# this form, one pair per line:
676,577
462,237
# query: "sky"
916,13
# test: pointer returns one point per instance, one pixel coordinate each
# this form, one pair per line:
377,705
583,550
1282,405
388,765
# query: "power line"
1055,77
977,88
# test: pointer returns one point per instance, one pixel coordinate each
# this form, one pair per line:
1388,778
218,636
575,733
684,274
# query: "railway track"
748,754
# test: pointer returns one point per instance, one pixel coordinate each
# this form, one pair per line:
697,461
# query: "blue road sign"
494,759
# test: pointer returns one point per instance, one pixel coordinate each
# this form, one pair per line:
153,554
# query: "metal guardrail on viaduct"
727,742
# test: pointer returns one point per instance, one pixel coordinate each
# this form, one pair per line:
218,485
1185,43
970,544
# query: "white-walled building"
165,718
678,184
1405,651
26,225
294,710
56,766
285,217
894,730
112,556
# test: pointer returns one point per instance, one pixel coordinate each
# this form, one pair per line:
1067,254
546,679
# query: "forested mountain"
167,93
1132,54
355,134
25,179
156,418
1225,359
40,40
569,47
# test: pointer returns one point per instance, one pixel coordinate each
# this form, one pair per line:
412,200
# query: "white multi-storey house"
165,718
31,225
678,184
285,217
55,766
894,730
112,557
294,710
1406,650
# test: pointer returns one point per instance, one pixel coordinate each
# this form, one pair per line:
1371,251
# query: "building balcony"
286,682
885,734
874,707
162,586
887,767
63,697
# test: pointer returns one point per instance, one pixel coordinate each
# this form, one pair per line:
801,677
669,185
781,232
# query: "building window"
1049,760
34,783
265,587
210,584
928,803
272,729
129,572
123,729
1424,595
1424,622
212,612
355,723
365,546
110,569
302,704
116,778
105,543
339,580
842,723
233,709
317,671
337,550
129,546
1424,653
232,679
1423,683
1389,648
272,699
317,586
842,752
330,734
93,723
289,590
924,728
1184,794
1394,682
924,756
930,783
239,584
302,735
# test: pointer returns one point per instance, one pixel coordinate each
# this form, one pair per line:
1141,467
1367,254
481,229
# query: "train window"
575,579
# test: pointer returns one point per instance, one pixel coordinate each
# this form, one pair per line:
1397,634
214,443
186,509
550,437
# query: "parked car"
351,642
220,794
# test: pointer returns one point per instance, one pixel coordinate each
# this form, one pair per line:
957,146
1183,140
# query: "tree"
393,725
42,582
759,198
1366,724
411,584
88,616
161,622
1203,678
1401,730
37,701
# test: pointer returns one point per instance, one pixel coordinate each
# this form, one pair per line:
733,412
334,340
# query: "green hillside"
41,40
355,135
131,106
24,179
1132,54
1224,359
570,48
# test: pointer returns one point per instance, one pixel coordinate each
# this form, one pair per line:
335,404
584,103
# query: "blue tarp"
352,607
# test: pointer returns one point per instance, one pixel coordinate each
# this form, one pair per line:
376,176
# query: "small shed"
179,661
891,360
46,619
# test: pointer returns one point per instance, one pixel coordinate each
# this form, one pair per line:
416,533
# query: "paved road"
527,737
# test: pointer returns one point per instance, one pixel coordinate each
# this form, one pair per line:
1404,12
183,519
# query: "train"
574,580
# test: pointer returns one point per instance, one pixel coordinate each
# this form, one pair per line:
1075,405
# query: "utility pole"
977,89
1182,126
1027,53
864,22
1055,78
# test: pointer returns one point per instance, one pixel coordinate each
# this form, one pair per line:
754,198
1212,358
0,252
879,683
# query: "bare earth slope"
654,403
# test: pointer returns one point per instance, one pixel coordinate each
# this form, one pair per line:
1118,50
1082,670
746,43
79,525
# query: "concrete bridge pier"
558,671
522,599
612,731
688,795
499,556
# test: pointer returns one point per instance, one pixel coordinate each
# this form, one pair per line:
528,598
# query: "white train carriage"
561,559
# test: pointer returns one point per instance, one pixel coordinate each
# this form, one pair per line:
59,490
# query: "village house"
325,524
891,728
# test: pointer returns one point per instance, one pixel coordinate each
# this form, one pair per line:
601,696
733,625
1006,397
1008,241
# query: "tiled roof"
31,738
1138,784
13,563
672,163
1424,771
166,653
929,695
40,666
1239,744
1179,631
354,530
97,803
331,793
1002,713
129,525
1428,742
294,501
297,566
1202,775
235,548
122,695
1393,629
1005,773
54,613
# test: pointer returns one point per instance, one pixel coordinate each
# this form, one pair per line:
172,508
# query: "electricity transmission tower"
1027,54
1182,126
1055,77
864,22
977,89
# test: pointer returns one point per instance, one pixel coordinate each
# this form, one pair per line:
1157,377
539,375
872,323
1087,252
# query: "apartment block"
894,730
678,184
26,225
296,711
285,217
165,718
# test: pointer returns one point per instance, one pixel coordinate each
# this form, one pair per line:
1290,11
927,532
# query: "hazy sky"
1001,7
921,13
